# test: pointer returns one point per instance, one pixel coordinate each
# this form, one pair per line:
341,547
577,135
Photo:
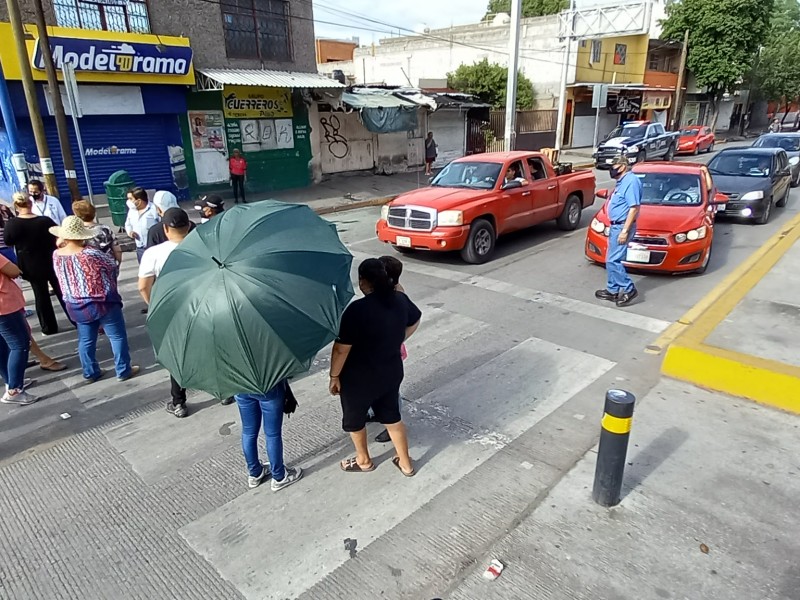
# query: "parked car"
788,122
789,142
754,179
475,199
639,141
675,227
696,139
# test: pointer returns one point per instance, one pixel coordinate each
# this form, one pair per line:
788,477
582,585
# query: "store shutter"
449,131
135,143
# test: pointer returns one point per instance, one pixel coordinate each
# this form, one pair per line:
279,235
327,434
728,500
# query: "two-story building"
167,90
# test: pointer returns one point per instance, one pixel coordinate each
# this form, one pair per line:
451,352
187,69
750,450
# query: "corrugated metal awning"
216,79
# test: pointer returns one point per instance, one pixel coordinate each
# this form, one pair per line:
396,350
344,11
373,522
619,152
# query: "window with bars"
108,15
597,51
257,29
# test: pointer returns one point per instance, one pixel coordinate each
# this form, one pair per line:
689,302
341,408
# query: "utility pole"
562,92
679,96
18,33
55,99
513,67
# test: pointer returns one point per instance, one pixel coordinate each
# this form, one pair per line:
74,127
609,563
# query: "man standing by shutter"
44,205
238,168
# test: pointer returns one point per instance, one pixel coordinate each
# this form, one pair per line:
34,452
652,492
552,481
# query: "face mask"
36,195
615,172
130,204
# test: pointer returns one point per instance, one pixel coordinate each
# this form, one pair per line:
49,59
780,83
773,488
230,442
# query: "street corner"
736,340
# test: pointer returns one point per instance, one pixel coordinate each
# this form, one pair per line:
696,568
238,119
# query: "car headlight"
633,150
753,195
599,227
692,235
794,160
450,218
385,212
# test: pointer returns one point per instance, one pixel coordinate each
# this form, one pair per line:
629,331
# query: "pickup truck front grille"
412,218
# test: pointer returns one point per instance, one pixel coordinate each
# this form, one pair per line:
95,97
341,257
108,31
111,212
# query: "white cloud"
409,14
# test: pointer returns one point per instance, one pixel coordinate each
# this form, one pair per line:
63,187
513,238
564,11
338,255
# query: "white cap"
165,200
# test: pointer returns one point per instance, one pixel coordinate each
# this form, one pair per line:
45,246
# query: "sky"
409,14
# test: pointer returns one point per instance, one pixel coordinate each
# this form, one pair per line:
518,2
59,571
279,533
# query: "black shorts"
355,407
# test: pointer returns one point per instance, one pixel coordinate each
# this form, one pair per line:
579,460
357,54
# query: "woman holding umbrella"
367,366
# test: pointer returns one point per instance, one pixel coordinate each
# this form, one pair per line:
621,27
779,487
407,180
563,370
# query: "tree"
777,69
489,82
530,8
724,38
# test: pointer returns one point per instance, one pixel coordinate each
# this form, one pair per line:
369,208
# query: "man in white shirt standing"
176,227
141,217
43,204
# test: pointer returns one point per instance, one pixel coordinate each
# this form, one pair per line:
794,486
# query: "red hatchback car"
675,228
696,139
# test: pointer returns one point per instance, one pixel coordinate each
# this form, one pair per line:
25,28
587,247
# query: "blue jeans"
140,253
15,341
267,408
113,324
618,279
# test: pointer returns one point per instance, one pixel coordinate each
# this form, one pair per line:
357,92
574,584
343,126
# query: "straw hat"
72,229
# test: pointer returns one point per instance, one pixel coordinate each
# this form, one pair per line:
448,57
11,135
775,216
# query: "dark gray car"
754,179
789,142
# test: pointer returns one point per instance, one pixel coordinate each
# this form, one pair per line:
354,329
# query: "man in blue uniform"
623,209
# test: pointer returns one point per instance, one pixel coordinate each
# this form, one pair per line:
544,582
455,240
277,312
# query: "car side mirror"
513,184
719,198
602,194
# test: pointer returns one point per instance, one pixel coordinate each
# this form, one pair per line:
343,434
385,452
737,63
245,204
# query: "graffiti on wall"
338,145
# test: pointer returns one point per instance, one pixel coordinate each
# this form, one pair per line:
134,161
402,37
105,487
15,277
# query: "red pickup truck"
475,199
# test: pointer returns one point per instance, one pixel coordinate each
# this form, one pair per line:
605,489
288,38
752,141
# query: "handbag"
290,402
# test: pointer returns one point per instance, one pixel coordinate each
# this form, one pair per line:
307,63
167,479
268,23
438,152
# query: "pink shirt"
11,298
238,166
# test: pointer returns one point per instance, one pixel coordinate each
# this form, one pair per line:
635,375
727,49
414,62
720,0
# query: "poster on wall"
247,102
208,129
284,132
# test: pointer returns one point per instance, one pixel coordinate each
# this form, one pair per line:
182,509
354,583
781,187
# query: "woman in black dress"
367,367
30,236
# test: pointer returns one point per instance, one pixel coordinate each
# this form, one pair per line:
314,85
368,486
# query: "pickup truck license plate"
721,207
403,241
609,161
638,256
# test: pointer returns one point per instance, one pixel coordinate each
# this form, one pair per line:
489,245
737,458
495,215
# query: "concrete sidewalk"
708,513
742,338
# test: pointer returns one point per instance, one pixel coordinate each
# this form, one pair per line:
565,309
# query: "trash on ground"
493,571
703,548
65,416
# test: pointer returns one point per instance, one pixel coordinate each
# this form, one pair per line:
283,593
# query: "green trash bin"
117,188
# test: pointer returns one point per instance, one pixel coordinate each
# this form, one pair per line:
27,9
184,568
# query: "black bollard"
616,429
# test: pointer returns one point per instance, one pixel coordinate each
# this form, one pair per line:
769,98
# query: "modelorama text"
91,60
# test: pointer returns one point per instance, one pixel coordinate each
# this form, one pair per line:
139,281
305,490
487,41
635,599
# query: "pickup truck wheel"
570,217
641,157
480,243
670,155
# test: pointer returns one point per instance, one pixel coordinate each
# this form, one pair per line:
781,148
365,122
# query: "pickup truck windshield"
665,189
628,131
788,143
468,174
739,164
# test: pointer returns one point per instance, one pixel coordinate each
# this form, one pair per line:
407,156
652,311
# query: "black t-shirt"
375,327
156,235
33,242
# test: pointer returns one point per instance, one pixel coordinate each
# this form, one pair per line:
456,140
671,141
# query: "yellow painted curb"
690,359
764,381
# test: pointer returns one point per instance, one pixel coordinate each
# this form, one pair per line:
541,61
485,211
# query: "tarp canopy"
382,111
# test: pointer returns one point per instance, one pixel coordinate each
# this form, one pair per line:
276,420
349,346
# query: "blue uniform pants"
618,279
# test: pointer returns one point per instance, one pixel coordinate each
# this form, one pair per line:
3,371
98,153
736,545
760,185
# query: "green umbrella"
249,298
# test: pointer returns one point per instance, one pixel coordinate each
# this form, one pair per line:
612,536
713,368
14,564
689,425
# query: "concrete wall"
334,50
605,70
201,22
407,60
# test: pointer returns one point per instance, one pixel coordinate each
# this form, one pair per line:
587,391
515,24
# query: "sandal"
55,366
396,463
351,466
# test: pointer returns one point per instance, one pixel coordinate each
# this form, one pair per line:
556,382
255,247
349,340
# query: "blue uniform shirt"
627,194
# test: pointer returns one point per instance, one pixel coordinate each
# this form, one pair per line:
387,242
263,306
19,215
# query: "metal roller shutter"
449,131
135,143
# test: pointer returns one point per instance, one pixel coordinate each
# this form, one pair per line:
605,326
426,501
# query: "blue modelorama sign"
108,56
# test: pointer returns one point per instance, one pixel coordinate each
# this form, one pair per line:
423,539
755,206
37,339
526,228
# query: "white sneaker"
292,476
254,482
20,397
